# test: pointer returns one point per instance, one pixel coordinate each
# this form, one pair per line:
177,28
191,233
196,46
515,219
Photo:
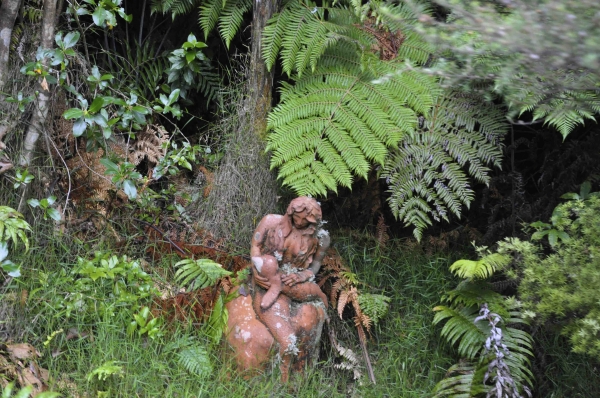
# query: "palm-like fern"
200,273
227,15
461,381
481,269
175,7
426,174
564,110
334,121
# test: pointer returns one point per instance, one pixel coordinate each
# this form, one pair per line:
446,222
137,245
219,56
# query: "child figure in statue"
268,267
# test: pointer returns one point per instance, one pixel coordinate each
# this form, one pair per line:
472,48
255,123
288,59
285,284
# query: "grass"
407,353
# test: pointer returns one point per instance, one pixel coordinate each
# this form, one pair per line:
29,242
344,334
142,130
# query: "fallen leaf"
22,351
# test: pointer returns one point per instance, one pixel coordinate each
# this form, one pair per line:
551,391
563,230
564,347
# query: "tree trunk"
38,119
261,80
244,189
8,14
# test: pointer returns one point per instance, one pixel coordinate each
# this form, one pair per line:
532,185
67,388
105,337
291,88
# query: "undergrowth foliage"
498,351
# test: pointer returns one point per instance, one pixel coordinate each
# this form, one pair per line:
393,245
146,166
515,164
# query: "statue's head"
304,211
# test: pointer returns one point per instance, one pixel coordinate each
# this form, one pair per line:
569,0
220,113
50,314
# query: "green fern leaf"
465,380
175,7
481,269
209,15
217,322
460,328
375,306
231,18
462,132
196,360
198,274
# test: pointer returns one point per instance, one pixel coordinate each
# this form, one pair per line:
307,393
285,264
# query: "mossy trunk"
8,14
260,85
244,188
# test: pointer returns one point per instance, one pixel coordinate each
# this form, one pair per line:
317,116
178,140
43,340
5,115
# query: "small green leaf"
54,214
173,96
79,127
97,104
33,203
111,167
11,268
130,189
73,113
584,191
552,237
71,39
99,16
190,56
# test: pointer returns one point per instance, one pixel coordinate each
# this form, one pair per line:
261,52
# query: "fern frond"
375,306
302,33
231,18
463,380
217,322
481,269
210,11
426,174
470,293
175,7
196,360
564,110
198,274
332,124
460,327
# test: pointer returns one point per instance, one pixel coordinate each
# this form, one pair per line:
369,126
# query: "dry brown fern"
149,144
381,232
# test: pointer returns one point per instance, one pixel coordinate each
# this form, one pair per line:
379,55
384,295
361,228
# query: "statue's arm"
324,242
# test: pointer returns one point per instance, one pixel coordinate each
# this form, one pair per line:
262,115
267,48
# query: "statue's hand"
261,280
299,277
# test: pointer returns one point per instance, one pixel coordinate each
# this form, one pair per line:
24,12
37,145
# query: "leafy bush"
563,284
101,286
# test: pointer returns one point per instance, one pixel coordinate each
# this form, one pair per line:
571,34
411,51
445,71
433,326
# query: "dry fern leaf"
149,144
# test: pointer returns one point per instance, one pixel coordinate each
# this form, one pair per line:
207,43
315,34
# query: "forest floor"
80,328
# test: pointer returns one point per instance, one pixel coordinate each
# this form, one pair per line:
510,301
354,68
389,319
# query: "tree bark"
40,113
8,15
260,90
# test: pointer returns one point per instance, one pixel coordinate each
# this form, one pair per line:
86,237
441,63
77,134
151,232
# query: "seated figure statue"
268,268
286,307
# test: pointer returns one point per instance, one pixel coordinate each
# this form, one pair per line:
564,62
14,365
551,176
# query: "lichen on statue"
289,306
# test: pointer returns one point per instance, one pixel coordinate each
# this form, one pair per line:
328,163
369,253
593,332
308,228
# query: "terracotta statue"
286,308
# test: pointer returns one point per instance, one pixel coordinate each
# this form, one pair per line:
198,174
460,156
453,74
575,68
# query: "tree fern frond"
209,13
175,7
196,360
460,327
470,293
461,132
344,119
302,33
481,269
198,274
231,18
463,380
